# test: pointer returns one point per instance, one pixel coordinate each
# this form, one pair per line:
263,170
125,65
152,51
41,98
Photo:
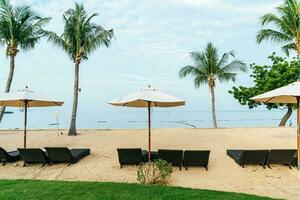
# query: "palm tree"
286,26
208,67
20,29
79,39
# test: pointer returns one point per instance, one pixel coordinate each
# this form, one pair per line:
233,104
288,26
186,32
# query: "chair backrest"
130,156
281,156
254,156
59,154
33,155
196,157
171,156
3,155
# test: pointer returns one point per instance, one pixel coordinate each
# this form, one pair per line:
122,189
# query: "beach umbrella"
289,94
25,99
147,98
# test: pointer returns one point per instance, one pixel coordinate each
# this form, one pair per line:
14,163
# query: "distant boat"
8,112
53,124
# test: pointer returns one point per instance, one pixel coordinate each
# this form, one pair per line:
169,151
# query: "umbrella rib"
55,103
269,99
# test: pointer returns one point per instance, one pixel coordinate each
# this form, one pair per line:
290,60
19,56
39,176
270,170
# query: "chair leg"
290,166
4,163
69,164
185,166
179,167
269,166
24,164
43,165
206,167
264,166
121,166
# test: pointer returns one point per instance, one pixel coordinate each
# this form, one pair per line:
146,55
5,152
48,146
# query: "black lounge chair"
171,156
281,156
153,155
10,156
65,155
249,157
196,158
130,156
33,155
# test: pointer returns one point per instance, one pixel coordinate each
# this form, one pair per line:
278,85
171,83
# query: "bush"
157,172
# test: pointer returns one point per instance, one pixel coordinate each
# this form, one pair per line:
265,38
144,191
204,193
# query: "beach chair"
249,157
196,158
281,156
10,156
65,155
130,156
33,155
174,157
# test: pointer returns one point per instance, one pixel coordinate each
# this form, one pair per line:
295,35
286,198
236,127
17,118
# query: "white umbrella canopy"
27,98
147,98
148,95
289,94
285,94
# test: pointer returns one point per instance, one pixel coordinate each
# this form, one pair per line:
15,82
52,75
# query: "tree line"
281,27
21,29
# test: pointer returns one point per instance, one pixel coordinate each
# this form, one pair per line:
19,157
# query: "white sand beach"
223,174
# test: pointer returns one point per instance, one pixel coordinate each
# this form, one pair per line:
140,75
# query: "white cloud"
233,6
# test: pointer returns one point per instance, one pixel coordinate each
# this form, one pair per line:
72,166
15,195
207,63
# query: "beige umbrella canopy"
287,94
147,98
26,98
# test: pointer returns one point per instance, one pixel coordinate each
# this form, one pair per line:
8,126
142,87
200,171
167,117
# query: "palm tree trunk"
286,116
213,106
72,129
9,81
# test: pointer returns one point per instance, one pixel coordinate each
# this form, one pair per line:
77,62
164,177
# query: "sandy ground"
223,174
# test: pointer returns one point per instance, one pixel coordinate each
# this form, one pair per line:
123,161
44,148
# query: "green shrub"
157,172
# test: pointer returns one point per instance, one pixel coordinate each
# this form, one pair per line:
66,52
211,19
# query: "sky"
152,42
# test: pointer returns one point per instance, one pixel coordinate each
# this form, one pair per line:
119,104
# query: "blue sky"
152,42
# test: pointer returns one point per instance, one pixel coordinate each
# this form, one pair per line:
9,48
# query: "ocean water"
137,118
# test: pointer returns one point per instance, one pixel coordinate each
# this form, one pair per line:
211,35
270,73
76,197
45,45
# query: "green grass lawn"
32,189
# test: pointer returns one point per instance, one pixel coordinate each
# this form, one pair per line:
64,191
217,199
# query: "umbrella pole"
298,132
149,132
25,122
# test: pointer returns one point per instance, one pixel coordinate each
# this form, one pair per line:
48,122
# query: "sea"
138,118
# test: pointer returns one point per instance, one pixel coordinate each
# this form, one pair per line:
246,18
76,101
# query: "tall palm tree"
208,68
286,26
79,39
20,29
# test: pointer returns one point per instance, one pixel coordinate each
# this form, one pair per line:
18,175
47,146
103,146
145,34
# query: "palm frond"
288,47
188,70
269,34
225,58
225,77
200,80
235,66
199,58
